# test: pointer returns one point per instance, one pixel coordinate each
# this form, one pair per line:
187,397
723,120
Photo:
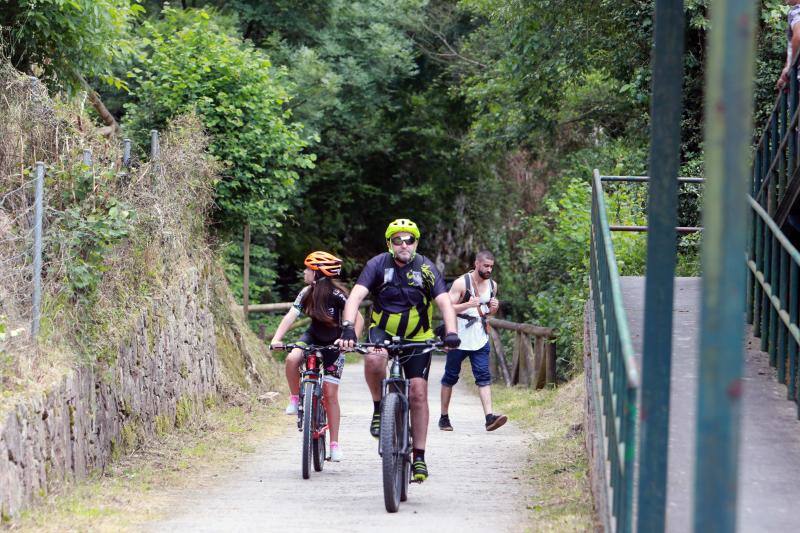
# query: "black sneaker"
419,471
495,421
375,426
444,423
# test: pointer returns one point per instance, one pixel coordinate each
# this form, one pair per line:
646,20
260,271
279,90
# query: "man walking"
473,297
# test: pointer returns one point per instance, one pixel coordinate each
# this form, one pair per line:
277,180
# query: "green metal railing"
775,165
772,259
772,295
615,375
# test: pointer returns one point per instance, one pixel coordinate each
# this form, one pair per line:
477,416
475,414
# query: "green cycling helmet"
401,224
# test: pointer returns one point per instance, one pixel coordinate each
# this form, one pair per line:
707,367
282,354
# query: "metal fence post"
728,127
662,216
155,150
37,250
126,153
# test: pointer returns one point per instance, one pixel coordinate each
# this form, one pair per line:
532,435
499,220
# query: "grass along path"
557,467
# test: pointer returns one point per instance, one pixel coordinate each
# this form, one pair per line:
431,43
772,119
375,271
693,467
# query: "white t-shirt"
474,337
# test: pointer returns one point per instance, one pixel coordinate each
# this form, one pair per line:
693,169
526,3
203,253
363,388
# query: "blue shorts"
480,366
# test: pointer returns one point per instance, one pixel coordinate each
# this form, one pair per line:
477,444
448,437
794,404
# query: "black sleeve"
372,275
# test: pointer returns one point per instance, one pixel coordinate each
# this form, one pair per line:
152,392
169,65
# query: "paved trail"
476,478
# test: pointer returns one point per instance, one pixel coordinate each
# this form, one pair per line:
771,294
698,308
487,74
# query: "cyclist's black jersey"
403,295
335,305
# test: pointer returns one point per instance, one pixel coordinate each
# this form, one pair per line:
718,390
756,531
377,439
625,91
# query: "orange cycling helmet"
323,262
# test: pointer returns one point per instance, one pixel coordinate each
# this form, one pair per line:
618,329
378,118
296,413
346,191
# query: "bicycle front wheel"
308,427
391,438
318,445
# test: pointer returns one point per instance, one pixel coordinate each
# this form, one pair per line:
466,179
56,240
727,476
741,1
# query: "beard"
403,256
484,275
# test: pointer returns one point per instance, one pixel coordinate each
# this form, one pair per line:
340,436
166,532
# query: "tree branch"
453,51
99,106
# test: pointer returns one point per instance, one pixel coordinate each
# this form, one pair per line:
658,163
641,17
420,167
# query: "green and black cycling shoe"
375,426
419,471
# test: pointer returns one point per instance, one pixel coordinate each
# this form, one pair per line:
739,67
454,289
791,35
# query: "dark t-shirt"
375,273
335,305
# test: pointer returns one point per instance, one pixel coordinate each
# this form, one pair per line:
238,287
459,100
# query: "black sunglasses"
397,241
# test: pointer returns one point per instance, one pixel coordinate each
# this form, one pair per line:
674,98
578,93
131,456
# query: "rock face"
167,368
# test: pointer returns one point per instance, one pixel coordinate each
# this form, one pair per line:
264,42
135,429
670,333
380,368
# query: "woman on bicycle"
322,300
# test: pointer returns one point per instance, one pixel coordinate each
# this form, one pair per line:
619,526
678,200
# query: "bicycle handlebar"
305,347
394,347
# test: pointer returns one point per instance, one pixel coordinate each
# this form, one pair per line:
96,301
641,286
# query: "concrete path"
770,440
476,482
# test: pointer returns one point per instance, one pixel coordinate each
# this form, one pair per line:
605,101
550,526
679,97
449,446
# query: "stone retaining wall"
166,368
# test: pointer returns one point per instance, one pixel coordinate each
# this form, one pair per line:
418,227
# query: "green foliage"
88,225
190,61
62,40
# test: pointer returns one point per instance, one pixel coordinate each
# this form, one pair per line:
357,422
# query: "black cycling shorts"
414,365
332,360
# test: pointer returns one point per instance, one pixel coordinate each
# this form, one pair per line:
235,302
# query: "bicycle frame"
397,382
312,360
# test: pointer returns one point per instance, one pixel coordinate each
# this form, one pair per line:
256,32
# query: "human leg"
333,363
330,393
374,374
292,370
479,359
418,402
452,369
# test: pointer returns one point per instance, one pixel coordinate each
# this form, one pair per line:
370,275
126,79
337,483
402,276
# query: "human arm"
286,322
359,324
494,303
448,313
456,294
350,334
791,52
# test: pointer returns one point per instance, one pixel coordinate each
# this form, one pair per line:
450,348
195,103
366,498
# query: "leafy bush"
64,40
190,60
90,221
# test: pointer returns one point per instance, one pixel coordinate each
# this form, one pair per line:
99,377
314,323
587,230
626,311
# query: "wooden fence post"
515,364
246,273
551,362
494,366
497,342
525,366
538,375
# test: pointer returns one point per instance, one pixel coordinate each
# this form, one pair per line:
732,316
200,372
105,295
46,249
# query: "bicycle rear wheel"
318,444
308,427
392,427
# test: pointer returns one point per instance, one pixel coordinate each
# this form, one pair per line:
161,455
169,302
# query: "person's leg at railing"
479,359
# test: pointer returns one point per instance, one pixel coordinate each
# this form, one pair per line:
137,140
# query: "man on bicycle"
403,284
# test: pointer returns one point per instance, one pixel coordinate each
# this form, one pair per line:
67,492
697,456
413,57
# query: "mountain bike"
312,419
394,442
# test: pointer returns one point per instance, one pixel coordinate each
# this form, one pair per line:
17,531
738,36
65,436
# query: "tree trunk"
106,116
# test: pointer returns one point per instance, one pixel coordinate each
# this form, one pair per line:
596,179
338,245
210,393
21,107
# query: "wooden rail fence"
533,358
533,355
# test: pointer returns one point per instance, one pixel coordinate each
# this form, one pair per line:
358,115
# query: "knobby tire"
392,425
308,427
318,445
